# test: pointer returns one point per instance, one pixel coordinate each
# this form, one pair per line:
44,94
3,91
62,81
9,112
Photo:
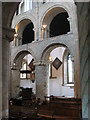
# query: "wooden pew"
57,109
63,99
60,109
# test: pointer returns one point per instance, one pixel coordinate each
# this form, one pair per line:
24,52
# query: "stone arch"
21,26
45,59
51,10
15,70
18,56
64,7
48,49
19,18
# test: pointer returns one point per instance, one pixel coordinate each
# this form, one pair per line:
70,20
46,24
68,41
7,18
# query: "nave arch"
15,71
41,58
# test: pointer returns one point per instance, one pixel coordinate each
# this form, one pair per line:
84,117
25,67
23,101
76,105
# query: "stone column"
15,82
42,34
48,32
42,80
7,36
17,41
45,33
35,34
70,22
20,41
77,82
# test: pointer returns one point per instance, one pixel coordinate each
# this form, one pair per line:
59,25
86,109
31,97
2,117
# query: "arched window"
70,69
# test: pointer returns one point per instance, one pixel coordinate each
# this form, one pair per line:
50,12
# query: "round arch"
48,49
49,15
16,68
18,19
21,26
19,55
63,8
58,75
24,32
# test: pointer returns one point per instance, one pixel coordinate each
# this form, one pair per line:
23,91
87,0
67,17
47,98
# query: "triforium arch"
54,9
24,29
22,17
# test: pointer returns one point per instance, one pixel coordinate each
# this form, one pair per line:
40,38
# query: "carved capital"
8,33
34,29
69,19
72,58
15,68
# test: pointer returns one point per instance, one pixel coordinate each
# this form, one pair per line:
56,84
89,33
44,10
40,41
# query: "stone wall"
0,61
84,44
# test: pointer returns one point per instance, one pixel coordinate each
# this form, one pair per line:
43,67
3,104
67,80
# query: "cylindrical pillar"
42,80
7,36
15,82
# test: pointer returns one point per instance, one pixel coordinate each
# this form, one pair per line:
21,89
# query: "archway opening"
59,25
55,23
28,34
61,71
27,73
23,74
24,32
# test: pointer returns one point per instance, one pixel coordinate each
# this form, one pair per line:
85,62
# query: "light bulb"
44,26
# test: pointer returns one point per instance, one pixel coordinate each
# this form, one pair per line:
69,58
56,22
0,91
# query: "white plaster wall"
26,83
55,84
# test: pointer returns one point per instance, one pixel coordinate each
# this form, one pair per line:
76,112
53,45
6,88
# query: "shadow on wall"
59,25
28,34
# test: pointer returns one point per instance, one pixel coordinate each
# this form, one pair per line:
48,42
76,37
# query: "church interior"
45,60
